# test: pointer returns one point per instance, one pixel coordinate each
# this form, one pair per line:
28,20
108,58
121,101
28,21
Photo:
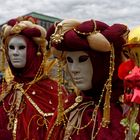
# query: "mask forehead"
17,40
75,54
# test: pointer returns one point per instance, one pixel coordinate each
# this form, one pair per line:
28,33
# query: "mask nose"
75,69
15,52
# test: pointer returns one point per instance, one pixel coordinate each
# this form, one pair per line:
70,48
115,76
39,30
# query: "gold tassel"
2,60
106,110
108,87
38,52
60,116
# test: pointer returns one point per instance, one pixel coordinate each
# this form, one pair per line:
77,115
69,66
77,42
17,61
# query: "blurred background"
109,11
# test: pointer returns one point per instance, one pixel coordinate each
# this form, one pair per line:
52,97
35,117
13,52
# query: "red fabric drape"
115,129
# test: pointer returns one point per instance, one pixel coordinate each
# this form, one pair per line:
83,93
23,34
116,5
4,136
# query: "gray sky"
109,11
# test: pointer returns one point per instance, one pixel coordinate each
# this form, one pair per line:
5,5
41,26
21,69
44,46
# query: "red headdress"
35,37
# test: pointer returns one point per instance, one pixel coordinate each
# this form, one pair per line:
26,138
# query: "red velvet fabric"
77,42
45,97
114,131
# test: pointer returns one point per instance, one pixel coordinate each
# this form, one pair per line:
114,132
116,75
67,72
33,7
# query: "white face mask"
80,68
17,49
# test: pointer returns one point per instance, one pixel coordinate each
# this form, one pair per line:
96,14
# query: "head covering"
81,35
35,37
133,37
132,47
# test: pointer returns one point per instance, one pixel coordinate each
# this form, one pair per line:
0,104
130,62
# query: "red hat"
35,38
72,35
26,26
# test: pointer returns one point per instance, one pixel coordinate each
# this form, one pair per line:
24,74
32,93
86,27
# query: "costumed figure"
92,51
129,71
29,98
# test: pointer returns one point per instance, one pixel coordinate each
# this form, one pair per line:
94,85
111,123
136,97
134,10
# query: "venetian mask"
80,68
17,49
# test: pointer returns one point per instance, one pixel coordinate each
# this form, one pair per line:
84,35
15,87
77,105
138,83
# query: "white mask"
17,49
80,68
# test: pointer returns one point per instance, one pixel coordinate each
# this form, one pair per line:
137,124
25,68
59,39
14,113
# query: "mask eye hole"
22,47
11,47
83,58
69,59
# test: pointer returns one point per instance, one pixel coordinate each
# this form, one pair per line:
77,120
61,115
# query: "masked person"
92,50
28,100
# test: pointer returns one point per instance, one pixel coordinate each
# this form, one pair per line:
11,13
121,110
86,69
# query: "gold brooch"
57,38
78,99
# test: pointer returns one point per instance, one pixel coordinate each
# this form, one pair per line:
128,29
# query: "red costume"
28,101
84,115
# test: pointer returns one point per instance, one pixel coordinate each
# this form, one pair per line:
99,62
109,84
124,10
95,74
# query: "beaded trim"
37,107
89,33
